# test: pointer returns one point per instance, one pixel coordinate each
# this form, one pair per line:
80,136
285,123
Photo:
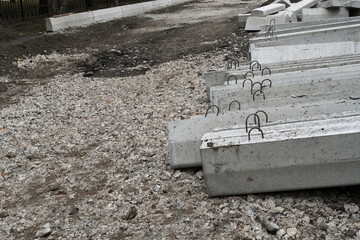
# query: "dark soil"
116,49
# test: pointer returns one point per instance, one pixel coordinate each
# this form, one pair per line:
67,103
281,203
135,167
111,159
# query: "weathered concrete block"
107,14
242,18
267,10
353,4
313,14
255,23
290,156
331,4
57,23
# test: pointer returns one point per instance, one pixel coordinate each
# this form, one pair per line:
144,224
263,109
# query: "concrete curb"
54,24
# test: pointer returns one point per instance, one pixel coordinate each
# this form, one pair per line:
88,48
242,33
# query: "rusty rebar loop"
247,79
207,111
258,66
258,128
266,116
269,28
266,80
272,20
228,80
261,92
249,72
234,63
235,101
255,121
253,62
266,68
252,86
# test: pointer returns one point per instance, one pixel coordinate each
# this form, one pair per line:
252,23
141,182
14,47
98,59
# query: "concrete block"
312,14
242,18
255,23
132,9
57,23
290,156
297,7
353,4
267,10
150,6
331,4
165,3
185,135
107,14
277,54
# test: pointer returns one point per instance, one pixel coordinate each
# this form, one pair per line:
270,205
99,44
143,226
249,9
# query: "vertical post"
22,11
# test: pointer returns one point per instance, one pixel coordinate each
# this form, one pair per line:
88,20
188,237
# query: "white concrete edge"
54,24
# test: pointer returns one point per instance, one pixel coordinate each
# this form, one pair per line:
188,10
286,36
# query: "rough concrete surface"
87,158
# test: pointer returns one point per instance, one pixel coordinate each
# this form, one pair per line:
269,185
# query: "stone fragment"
351,208
44,230
291,232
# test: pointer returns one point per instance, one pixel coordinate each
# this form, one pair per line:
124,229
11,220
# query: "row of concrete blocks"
293,97
321,41
277,14
57,23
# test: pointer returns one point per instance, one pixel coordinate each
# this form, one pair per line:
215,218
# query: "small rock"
351,208
130,213
270,226
280,233
44,230
291,232
10,155
4,214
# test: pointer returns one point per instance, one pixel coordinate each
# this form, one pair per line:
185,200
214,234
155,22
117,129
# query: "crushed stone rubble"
87,158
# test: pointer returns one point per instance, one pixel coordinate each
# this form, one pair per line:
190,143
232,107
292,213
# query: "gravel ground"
87,158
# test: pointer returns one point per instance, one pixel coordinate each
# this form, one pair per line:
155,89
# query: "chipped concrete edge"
54,24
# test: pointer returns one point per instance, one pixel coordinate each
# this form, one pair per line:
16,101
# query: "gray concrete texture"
287,84
185,135
290,156
267,10
216,78
312,14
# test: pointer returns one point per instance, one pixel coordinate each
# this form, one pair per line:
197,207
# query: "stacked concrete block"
290,119
282,157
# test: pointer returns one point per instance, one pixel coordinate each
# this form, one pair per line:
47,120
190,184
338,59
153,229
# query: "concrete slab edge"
54,24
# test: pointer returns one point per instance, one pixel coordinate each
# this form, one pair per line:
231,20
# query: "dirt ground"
124,47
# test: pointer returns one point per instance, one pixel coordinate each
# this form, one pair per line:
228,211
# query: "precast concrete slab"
349,32
286,53
309,26
185,135
217,78
353,4
312,14
280,94
302,25
331,4
242,18
255,23
290,156
267,10
80,19
54,24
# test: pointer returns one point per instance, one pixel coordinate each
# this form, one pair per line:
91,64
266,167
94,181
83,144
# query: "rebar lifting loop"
207,111
231,77
262,83
272,20
235,101
234,63
256,121
253,62
249,72
262,134
248,79
266,68
269,28
258,66
266,116
261,92
252,86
